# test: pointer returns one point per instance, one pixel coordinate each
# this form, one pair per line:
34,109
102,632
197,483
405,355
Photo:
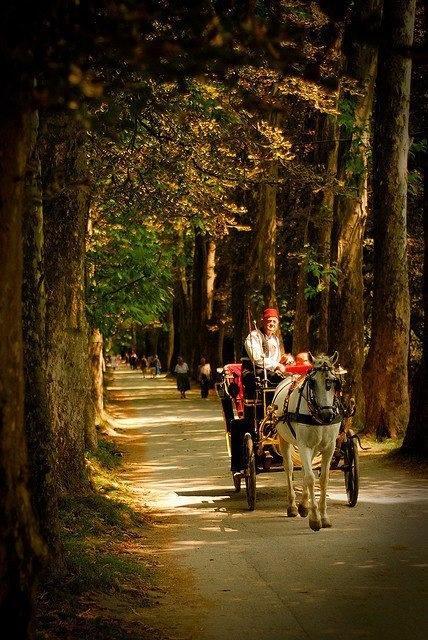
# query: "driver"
264,348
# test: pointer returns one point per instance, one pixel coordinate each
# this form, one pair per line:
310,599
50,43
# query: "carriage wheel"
352,471
250,471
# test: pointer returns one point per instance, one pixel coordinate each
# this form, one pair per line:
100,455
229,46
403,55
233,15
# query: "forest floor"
169,550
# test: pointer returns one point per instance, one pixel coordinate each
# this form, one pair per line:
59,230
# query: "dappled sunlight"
176,463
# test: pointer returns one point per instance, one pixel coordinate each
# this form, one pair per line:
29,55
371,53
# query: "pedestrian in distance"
156,364
133,359
204,377
143,366
183,380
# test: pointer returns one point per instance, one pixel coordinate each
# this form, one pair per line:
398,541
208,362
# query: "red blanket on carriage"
233,373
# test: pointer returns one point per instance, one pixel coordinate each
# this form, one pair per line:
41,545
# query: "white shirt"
254,348
181,368
205,370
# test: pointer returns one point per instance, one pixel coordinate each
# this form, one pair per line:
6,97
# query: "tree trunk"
65,207
239,289
218,309
263,254
319,234
347,318
170,344
203,296
312,311
301,317
210,279
97,371
38,422
182,311
386,375
20,544
416,438
199,298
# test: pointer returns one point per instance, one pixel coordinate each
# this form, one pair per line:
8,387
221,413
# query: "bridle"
311,400
315,415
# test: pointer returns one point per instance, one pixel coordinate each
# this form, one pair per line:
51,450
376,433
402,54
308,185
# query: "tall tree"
347,317
38,421
319,235
386,374
20,545
416,437
66,210
316,271
264,247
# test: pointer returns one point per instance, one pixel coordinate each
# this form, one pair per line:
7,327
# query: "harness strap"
285,412
289,425
302,418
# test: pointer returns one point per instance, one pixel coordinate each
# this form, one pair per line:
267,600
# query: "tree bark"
182,311
263,254
416,438
319,233
218,309
203,297
239,289
347,317
210,278
170,344
97,371
20,545
66,209
38,423
301,316
386,375
199,297
312,313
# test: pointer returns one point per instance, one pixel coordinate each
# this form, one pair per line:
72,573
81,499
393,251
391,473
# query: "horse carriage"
271,421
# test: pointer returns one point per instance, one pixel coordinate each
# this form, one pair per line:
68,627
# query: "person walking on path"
183,381
156,364
204,377
133,360
143,366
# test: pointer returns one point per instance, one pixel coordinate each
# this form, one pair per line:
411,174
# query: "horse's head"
323,384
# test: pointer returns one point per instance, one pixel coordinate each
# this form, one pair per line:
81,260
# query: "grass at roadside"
390,453
107,578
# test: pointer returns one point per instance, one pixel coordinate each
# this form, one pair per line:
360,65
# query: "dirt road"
229,573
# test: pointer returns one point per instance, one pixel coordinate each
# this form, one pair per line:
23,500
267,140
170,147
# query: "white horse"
308,414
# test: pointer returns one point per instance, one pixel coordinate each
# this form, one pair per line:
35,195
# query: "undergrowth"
105,580
391,452
108,454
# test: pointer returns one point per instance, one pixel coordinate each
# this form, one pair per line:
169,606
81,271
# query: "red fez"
270,313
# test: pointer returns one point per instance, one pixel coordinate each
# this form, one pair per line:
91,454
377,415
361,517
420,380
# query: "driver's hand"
280,367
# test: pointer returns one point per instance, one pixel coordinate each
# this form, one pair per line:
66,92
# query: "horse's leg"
285,448
306,455
303,507
327,455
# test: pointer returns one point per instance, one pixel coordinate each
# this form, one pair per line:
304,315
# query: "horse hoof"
303,511
325,523
292,512
315,525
